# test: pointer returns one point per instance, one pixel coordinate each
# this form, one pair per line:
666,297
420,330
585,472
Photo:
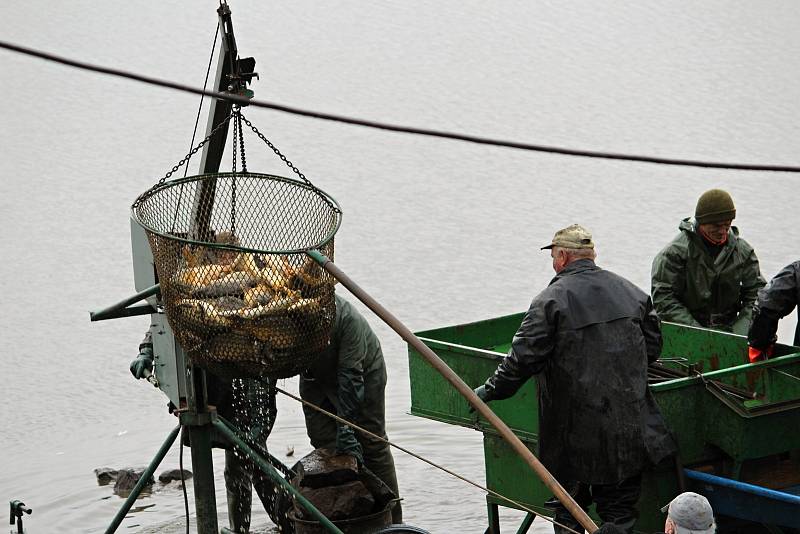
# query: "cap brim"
547,247
665,508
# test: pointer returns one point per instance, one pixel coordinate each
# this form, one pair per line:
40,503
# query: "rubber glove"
144,361
609,528
756,355
346,443
486,395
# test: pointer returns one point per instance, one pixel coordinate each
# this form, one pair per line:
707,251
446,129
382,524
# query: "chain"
290,165
241,138
182,162
236,127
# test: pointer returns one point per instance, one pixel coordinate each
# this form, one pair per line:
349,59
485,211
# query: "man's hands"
346,443
756,355
609,528
144,361
486,395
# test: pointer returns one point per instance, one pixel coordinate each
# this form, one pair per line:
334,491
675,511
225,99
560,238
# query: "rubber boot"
239,512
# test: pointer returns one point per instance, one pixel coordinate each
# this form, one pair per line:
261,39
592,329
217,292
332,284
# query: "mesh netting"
240,294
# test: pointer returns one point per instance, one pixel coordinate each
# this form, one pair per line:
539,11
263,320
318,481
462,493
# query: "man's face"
718,230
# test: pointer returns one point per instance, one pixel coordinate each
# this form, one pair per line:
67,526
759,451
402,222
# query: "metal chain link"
182,162
241,138
236,126
291,165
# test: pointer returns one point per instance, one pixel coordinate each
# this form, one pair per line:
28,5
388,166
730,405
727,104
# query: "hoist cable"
396,128
418,457
197,122
202,97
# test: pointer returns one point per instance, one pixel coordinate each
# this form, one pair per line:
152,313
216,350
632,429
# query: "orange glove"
756,355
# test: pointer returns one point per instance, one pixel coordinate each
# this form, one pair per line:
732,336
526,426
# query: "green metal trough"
720,430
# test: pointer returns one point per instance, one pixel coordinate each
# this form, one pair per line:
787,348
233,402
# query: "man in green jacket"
349,380
708,276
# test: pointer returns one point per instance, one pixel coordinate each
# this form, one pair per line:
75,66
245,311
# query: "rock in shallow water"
174,474
105,475
127,479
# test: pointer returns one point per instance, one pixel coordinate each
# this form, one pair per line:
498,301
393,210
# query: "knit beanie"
715,205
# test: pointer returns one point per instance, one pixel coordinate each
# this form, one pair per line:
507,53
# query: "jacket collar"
689,225
577,266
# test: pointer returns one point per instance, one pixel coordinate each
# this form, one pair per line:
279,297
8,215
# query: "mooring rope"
417,456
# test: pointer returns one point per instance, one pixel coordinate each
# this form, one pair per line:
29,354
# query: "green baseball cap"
573,236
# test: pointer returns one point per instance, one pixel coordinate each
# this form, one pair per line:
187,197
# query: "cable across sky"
393,127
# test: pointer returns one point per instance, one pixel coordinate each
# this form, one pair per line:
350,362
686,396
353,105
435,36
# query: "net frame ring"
240,293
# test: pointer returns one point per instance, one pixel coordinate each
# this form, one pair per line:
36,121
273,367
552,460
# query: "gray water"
441,232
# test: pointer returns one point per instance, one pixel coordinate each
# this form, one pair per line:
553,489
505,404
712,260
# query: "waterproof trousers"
253,410
615,503
321,431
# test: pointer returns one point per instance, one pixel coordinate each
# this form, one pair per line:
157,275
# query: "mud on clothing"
588,339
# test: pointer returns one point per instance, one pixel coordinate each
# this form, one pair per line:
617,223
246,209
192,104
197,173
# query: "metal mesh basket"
240,294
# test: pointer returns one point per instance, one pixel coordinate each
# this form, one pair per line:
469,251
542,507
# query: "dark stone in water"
174,474
127,479
105,475
343,501
323,468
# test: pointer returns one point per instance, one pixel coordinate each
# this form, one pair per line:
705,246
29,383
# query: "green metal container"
717,431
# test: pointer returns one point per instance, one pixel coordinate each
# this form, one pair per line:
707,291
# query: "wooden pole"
505,432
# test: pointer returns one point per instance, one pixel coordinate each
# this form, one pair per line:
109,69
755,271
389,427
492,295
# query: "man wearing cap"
708,276
689,513
588,338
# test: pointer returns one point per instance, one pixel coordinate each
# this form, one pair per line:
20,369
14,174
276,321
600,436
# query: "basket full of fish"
240,293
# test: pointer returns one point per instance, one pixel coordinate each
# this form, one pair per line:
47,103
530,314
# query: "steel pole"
143,480
505,432
205,501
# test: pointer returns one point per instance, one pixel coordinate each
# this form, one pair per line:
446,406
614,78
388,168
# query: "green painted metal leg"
205,501
274,475
526,523
142,481
494,518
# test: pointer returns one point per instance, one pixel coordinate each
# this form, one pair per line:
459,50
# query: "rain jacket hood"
692,286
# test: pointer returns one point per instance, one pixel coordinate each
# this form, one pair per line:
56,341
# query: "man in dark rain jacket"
707,276
775,301
588,338
349,380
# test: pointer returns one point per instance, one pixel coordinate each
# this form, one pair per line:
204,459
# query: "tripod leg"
145,477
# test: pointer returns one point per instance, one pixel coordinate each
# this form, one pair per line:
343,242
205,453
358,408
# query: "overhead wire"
422,458
398,128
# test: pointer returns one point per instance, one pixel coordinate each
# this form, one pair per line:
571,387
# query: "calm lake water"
441,232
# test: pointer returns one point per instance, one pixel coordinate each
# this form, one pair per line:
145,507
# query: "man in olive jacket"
349,380
588,338
708,276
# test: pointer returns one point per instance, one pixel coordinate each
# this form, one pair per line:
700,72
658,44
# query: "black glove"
609,528
346,443
143,361
486,395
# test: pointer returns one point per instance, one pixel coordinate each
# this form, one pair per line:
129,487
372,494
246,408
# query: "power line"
396,128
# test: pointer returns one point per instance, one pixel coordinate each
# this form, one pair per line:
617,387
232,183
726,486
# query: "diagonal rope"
417,456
